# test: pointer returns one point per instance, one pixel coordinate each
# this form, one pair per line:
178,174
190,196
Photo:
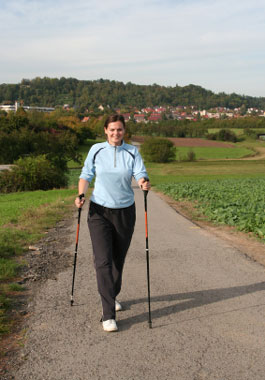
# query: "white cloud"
138,41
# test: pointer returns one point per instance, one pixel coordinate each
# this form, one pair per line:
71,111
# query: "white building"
16,106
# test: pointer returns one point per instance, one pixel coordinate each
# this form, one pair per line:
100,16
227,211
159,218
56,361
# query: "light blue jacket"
114,167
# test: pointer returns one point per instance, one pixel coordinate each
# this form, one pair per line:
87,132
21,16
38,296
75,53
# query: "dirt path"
208,311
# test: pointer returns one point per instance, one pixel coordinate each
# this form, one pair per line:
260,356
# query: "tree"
158,150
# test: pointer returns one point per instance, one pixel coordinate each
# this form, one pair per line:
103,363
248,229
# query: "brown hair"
113,119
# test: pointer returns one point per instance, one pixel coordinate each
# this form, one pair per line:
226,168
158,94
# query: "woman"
111,216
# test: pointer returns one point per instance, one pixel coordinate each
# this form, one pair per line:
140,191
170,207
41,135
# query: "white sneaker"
118,306
110,325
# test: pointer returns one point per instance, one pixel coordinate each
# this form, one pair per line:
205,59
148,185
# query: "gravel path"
208,311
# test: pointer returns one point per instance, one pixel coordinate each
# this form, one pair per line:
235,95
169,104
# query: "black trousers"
111,232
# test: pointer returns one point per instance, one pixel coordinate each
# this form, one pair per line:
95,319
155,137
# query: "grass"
24,217
213,153
83,150
204,170
237,131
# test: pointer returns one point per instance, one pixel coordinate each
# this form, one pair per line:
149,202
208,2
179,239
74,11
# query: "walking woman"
111,216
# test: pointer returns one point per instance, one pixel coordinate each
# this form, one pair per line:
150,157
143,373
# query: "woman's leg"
101,236
123,221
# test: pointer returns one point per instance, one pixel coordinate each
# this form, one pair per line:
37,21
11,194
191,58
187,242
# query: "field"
235,202
227,191
207,149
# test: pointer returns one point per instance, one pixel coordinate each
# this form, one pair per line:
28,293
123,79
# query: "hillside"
89,94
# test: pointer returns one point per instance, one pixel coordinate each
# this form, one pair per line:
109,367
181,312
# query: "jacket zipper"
115,156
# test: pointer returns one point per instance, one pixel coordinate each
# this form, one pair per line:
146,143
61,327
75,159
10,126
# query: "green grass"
83,150
237,131
207,153
24,217
204,170
13,205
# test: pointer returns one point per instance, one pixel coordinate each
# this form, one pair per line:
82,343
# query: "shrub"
191,156
227,135
158,150
223,135
251,133
32,173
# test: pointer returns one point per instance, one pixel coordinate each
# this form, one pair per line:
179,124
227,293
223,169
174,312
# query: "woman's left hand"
144,184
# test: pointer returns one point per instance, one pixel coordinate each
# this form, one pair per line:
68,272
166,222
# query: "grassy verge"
24,217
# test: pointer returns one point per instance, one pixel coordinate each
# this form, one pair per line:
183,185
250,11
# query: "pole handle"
145,191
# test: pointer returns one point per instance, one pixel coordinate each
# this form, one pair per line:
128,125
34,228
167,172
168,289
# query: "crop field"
235,202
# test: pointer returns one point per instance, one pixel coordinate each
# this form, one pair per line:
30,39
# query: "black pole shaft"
75,258
147,259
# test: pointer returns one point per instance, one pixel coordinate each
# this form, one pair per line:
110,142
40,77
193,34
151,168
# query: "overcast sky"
217,44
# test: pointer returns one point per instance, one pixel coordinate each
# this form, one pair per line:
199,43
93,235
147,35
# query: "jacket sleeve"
88,170
139,170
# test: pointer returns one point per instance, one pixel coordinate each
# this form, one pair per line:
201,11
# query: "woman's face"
115,133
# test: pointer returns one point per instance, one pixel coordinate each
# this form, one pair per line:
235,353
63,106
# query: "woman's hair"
113,119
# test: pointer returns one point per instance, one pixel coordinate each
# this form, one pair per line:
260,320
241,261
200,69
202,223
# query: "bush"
251,133
223,135
226,135
32,173
158,150
191,156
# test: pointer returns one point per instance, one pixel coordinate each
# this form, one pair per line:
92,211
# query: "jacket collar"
118,147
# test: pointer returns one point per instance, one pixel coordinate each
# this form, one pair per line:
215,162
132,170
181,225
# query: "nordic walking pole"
147,256
76,246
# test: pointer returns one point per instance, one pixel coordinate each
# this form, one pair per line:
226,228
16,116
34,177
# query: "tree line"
88,95
187,128
40,145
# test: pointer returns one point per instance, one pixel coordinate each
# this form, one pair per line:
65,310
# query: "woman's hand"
144,184
79,201
82,189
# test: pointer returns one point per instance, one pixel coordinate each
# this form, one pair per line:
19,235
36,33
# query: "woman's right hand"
79,201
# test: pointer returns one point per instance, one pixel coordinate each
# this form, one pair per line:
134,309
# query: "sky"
216,44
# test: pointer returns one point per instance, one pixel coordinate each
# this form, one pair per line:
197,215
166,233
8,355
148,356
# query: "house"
139,118
126,116
155,117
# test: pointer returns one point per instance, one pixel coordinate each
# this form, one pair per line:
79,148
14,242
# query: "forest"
89,94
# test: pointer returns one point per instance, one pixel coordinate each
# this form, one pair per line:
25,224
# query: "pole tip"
150,324
72,302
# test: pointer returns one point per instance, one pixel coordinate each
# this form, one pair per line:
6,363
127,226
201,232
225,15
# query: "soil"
192,142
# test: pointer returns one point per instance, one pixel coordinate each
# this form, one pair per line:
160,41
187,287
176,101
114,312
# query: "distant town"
156,114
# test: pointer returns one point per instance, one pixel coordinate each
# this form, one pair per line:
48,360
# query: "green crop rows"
236,202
